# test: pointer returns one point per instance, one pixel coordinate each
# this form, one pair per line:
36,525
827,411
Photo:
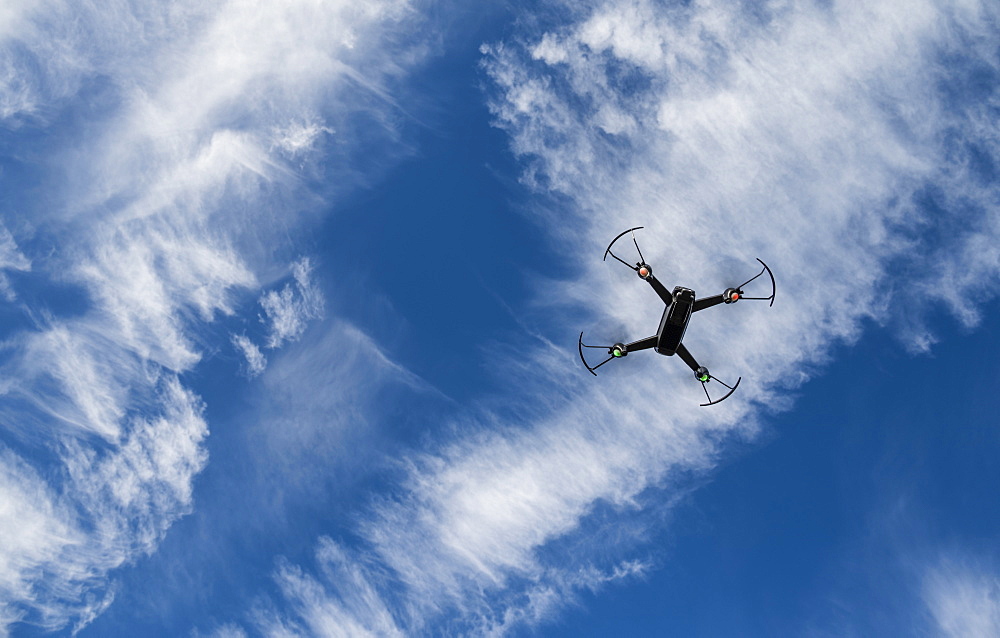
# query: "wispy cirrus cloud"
11,258
35,531
838,142
160,205
112,503
287,312
962,598
340,601
10,255
256,361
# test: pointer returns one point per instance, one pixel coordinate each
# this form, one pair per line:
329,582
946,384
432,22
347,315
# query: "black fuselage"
674,321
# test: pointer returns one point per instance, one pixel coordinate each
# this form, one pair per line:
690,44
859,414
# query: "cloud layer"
162,202
843,143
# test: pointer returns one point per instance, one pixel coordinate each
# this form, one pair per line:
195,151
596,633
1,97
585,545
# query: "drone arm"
641,344
660,289
708,302
641,268
683,353
616,351
732,295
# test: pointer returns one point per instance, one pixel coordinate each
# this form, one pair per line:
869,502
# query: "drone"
680,305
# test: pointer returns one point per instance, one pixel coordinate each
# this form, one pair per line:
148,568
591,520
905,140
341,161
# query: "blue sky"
291,292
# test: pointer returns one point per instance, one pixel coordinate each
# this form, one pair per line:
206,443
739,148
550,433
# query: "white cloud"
963,600
345,598
256,361
299,137
35,529
90,377
289,311
146,481
120,501
310,429
10,256
342,602
228,631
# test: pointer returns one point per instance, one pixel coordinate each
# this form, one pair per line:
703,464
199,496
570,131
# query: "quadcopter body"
674,322
680,306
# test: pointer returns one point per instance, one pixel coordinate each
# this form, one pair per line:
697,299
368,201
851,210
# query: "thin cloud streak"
10,255
342,603
962,599
34,528
11,258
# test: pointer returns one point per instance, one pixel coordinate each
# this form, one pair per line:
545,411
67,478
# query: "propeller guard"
617,351
641,268
710,377
739,290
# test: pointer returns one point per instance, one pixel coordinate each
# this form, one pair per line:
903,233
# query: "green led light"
703,378
617,352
